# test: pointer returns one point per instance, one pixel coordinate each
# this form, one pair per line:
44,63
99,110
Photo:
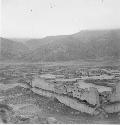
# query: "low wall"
73,103
91,97
77,105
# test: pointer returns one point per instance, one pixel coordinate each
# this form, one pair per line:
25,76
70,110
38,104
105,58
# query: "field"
50,92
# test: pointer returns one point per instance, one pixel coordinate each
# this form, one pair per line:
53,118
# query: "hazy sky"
39,18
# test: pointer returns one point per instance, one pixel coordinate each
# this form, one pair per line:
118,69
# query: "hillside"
87,45
11,50
82,45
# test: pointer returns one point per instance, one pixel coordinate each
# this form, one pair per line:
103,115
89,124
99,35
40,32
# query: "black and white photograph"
59,61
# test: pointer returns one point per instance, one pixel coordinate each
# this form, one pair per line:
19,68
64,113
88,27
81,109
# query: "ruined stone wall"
42,92
71,102
114,105
91,95
84,100
77,105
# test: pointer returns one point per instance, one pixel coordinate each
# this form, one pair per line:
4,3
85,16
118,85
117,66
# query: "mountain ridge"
85,45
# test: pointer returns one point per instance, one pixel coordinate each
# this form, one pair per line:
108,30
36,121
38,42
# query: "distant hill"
87,45
82,45
11,50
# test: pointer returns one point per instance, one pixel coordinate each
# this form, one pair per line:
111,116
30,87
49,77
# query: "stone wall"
84,100
114,105
73,103
91,95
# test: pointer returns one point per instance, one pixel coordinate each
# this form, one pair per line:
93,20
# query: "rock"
57,110
5,114
105,97
115,97
106,115
70,88
42,84
93,96
42,92
73,103
96,112
61,89
51,120
76,93
112,108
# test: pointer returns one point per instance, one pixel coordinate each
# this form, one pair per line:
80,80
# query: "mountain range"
86,45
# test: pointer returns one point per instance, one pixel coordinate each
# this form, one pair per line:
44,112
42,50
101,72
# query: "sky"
40,18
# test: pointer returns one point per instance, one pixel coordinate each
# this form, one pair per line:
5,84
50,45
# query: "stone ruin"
108,101
85,100
114,101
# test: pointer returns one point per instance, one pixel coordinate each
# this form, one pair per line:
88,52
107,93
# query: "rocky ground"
19,104
27,107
